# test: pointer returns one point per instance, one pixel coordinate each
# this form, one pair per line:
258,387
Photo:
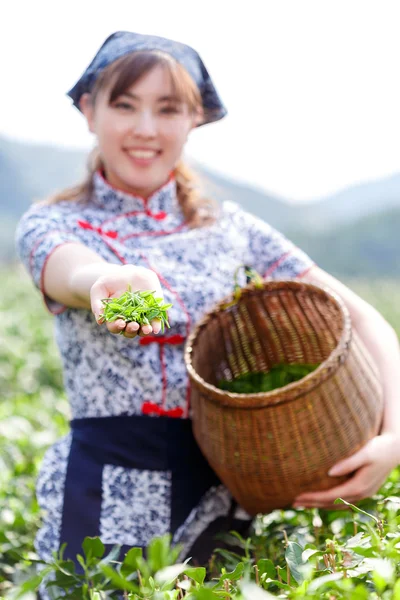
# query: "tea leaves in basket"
277,377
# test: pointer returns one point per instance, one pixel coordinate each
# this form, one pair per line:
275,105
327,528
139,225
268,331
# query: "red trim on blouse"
45,296
131,213
40,240
117,254
163,376
160,216
276,264
149,408
188,322
41,279
156,216
305,271
153,233
90,227
174,340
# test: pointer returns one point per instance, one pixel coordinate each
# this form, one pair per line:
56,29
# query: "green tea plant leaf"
251,591
356,509
316,584
93,547
266,568
161,554
140,307
198,574
294,559
170,573
234,575
120,582
132,561
277,377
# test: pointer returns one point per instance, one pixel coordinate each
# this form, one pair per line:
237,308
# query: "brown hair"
119,77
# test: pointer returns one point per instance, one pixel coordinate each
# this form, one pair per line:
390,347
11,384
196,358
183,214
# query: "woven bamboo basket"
269,447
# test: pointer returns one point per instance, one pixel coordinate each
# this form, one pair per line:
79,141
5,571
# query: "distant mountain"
352,232
14,189
345,206
368,247
352,203
42,169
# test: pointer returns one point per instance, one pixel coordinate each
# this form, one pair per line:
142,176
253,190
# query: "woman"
129,469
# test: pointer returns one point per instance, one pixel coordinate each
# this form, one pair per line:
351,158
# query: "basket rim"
293,390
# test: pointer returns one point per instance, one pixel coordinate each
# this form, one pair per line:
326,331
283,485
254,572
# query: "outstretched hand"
113,285
371,466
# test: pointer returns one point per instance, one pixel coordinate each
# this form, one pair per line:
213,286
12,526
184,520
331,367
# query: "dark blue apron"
135,442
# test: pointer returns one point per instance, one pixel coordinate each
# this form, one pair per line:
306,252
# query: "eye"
124,106
170,110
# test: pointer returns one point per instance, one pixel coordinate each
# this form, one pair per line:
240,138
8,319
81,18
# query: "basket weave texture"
269,447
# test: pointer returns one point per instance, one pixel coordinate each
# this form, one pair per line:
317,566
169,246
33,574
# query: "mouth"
143,157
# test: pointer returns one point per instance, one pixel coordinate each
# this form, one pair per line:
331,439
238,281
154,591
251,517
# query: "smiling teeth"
142,153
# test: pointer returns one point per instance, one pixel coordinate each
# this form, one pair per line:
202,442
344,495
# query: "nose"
145,124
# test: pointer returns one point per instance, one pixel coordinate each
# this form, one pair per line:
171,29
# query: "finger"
350,489
132,328
146,329
156,326
350,464
98,292
116,326
129,335
99,318
97,309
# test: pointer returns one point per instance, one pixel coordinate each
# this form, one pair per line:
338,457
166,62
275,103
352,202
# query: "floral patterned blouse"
109,375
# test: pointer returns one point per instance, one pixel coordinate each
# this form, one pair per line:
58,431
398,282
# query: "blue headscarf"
124,42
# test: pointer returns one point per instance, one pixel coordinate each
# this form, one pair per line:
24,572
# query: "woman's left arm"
373,463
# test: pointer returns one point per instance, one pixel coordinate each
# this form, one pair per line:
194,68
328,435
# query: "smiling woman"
142,108
130,468
141,112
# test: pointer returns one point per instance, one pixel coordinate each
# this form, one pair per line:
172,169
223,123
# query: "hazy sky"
312,86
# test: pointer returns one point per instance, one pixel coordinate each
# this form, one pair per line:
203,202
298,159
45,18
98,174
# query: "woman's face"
140,135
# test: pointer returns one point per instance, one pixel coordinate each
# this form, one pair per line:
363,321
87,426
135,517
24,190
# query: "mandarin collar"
161,202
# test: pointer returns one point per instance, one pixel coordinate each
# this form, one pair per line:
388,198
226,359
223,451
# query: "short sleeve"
269,251
39,232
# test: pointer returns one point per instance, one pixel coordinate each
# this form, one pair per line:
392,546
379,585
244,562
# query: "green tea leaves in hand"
140,307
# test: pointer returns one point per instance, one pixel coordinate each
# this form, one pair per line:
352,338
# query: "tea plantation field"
351,554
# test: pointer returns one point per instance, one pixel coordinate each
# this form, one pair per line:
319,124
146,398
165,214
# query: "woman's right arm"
70,274
77,277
